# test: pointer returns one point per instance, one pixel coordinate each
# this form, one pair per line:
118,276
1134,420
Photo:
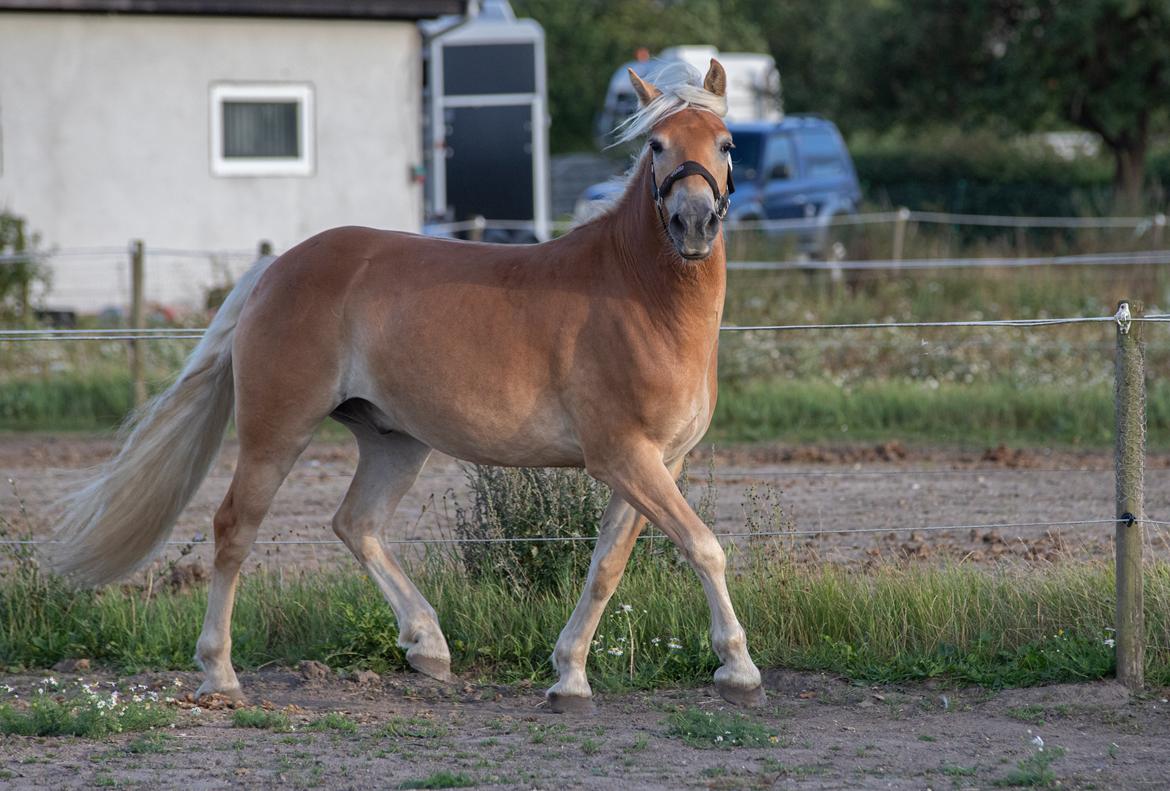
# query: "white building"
205,125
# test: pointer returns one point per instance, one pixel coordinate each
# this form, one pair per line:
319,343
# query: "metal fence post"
1129,461
137,256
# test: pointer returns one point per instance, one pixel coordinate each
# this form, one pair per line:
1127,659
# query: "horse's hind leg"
260,470
388,465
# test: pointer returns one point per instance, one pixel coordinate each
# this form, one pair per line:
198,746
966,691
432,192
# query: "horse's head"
690,164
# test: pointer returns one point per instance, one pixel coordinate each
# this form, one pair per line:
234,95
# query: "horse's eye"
726,147
656,146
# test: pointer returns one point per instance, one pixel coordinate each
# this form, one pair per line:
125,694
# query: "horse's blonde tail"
127,508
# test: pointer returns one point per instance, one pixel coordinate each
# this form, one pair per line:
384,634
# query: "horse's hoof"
233,696
570,704
438,669
747,698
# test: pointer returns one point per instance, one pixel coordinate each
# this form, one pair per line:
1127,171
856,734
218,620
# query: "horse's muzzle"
693,228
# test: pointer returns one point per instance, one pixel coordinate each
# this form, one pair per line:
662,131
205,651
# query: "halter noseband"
690,168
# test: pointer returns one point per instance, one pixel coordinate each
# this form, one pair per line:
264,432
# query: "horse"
596,350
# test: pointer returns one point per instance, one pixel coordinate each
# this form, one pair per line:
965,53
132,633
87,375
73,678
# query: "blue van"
793,169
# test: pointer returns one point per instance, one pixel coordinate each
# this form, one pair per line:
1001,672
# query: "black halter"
690,168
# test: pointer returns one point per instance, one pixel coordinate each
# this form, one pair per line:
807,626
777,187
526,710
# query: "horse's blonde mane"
682,89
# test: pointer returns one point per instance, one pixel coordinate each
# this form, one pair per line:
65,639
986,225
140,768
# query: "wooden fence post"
137,261
901,219
1129,461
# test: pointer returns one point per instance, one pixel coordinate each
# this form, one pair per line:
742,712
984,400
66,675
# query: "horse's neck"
677,290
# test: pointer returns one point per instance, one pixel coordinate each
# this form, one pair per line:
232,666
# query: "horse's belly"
487,430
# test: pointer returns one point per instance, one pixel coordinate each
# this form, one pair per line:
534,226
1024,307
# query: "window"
778,157
822,151
261,130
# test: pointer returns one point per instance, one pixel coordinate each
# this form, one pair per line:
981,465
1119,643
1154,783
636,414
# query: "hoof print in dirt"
312,670
570,704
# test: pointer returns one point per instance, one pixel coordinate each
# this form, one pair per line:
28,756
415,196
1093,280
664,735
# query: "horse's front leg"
620,527
641,479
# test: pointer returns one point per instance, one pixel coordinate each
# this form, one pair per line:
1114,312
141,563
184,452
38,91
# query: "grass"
991,627
261,719
959,414
717,729
441,780
1035,771
83,712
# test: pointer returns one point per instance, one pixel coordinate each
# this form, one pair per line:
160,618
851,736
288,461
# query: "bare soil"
829,734
875,490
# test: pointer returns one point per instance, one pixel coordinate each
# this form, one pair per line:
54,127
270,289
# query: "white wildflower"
615,651
674,645
655,640
1036,740
1109,642
627,608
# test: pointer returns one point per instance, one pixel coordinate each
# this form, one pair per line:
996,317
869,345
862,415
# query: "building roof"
335,9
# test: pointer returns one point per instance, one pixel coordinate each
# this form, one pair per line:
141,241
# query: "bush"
980,173
18,278
529,503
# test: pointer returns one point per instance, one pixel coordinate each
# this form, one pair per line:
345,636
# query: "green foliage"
526,503
442,779
333,721
18,278
412,728
978,172
84,712
1035,771
261,719
718,729
994,628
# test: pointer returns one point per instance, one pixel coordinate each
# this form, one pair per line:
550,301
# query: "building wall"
105,135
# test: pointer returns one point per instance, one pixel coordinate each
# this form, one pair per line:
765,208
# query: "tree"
1101,65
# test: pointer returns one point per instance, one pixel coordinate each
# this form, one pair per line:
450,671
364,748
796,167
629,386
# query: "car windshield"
746,154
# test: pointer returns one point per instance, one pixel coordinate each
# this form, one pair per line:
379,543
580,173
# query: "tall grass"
1002,627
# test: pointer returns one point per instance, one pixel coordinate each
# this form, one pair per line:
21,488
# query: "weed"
150,743
259,718
441,780
1032,714
84,711
590,746
1035,771
718,729
413,728
333,721
954,770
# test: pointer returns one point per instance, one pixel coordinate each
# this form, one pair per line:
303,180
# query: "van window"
777,152
745,157
821,152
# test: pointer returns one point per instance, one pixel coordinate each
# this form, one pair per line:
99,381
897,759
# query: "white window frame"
301,165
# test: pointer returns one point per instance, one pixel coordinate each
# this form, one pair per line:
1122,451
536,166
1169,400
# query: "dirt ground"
830,734
870,489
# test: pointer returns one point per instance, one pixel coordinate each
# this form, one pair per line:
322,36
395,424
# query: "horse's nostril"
677,225
711,222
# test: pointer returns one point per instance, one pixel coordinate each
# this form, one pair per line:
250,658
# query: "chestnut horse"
594,350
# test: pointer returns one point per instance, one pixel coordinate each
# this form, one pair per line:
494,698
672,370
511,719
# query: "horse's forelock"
682,89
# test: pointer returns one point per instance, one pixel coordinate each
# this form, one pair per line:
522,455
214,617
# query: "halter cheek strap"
691,168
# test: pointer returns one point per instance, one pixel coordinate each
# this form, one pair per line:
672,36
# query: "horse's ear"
646,92
716,79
